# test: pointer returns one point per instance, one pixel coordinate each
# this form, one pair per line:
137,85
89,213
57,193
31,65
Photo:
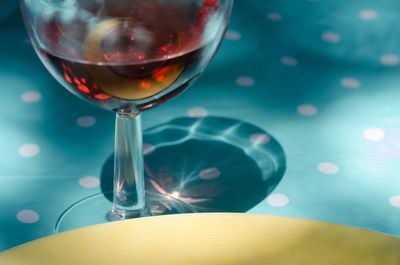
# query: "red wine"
102,82
140,53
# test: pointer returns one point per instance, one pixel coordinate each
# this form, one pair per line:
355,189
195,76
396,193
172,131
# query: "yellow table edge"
200,239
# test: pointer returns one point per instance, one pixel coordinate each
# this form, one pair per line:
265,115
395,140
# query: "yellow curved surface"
200,239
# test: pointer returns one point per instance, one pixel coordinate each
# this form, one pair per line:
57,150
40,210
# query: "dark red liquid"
141,54
126,82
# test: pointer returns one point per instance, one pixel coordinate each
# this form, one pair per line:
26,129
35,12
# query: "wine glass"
126,56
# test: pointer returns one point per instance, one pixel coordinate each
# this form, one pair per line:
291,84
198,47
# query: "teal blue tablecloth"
322,78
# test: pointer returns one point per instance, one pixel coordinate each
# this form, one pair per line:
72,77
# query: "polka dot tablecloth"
322,78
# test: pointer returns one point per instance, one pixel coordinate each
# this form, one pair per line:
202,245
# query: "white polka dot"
368,14
389,59
374,134
274,16
148,149
260,138
210,173
307,110
395,201
89,182
86,121
245,81
350,83
31,97
29,150
197,112
233,35
330,36
278,200
28,216
289,61
328,168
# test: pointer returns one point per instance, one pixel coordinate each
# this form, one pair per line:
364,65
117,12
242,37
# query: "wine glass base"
91,211
113,215
95,210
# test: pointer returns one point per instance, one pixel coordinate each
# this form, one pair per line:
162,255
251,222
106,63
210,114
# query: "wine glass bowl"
126,56
126,53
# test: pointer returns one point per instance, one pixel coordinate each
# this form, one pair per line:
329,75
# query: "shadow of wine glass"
210,164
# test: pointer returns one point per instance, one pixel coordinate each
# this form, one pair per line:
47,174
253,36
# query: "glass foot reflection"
89,211
195,165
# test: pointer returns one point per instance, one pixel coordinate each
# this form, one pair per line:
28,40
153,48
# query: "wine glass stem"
129,191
